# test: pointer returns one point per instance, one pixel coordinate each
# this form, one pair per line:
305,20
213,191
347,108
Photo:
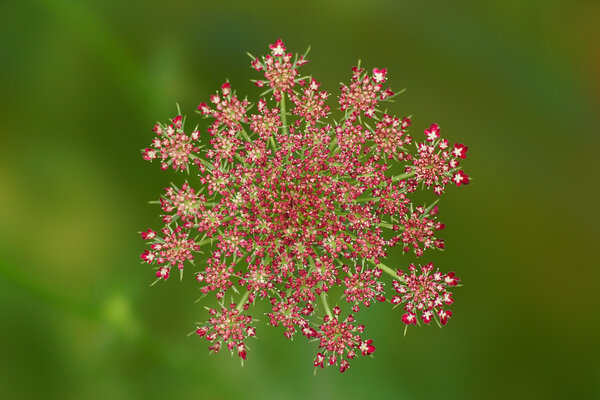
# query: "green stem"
283,114
206,163
403,176
365,199
323,295
326,305
245,135
206,241
243,301
390,272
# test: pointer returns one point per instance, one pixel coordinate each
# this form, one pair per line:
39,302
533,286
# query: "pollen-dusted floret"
292,316
435,163
296,205
224,147
390,137
339,342
362,285
217,277
424,295
173,249
228,327
311,106
362,95
260,279
185,204
172,146
351,138
267,123
229,112
279,69
419,231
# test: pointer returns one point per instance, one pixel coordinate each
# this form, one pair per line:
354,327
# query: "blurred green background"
83,82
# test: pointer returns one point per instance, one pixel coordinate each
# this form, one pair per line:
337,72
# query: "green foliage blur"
83,82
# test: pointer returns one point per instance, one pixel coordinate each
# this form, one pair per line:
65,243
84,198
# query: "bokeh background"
83,82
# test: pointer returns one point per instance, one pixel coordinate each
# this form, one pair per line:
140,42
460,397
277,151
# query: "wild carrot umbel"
288,206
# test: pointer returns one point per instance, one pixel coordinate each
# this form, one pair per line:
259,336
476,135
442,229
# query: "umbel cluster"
286,205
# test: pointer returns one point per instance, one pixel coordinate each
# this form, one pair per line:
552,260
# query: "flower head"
435,164
296,205
424,294
227,327
339,342
172,146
